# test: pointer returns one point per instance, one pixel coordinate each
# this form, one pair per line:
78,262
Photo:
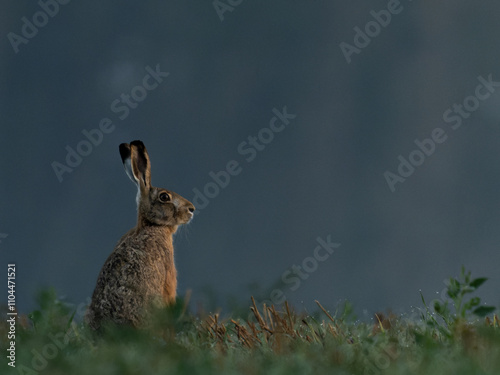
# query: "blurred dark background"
323,175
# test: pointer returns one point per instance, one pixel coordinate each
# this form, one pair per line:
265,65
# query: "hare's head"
156,206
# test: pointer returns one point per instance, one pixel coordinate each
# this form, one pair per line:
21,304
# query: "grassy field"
457,335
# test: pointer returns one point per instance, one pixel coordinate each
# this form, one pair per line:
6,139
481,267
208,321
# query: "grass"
454,336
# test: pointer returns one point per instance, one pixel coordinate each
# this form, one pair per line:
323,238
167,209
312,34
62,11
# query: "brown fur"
140,271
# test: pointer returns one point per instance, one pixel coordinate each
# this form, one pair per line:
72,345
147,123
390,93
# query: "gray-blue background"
321,176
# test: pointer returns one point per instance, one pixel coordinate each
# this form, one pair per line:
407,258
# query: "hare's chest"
164,276
170,287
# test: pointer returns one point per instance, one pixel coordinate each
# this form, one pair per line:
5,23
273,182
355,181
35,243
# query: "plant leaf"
423,300
482,311
467,289
476,283
473,302
438,307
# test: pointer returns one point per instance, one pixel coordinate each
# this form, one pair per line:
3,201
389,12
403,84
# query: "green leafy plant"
457,290
53,313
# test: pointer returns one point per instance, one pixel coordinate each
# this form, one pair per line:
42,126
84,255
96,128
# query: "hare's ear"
125,154
136,162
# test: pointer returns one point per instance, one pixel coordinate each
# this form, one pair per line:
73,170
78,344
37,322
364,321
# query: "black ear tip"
137,144
124,151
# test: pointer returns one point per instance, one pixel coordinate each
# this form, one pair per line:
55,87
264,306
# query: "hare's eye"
164,197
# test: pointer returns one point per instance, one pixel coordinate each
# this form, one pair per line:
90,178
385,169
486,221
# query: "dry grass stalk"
216,329
289,315
324,310
273,328
246,338
256,312
493,323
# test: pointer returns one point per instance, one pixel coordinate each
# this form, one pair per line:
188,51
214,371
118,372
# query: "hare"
140,271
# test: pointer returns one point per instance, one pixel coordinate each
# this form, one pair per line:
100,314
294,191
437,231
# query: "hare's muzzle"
191,210
187,212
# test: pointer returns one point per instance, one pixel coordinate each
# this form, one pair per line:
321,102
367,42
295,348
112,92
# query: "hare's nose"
191,209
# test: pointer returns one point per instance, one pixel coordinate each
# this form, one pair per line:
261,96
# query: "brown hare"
140,272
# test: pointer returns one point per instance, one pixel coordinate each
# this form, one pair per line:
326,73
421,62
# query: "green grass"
455,336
